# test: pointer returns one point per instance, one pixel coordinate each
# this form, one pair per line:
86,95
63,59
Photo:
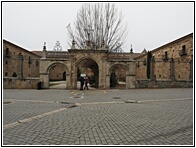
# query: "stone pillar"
44,78
67,81
107,82
172,70
152,77
73,74
191,70
102,73
130,77
20,66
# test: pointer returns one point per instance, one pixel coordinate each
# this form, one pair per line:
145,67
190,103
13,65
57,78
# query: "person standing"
81,83
86,83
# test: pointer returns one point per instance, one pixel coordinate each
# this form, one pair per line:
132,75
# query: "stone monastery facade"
170,65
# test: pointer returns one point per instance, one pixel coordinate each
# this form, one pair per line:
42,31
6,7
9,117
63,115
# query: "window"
165,57
6,62
6,74
183,51
29,61
7,53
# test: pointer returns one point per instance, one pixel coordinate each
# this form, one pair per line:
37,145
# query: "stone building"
99,65
170,65
12,54
179,52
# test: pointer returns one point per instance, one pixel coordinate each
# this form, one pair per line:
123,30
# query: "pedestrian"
86,83
81,83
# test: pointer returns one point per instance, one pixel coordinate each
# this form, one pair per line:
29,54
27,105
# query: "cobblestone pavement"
98,117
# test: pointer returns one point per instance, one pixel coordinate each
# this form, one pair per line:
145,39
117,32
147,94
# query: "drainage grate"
7,102
116,97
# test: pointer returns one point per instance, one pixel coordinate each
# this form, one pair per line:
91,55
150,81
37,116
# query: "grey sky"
150,24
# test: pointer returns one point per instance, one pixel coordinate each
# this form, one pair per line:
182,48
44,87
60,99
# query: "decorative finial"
103,44
73,44
131,50
44,48
57,46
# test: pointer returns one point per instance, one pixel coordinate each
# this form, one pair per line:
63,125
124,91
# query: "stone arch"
44,75
87,57
93,66
117,73
57,63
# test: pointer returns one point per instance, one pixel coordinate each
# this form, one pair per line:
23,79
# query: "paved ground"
98,117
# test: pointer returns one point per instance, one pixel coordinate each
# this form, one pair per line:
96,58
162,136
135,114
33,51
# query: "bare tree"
99,23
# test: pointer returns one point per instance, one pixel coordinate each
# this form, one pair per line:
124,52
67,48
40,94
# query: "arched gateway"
98,64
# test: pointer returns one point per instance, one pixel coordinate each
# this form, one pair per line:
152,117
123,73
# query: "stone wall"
30,61
15,83
180,50
163,84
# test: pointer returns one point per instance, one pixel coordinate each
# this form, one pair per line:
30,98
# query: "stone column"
107,82
191,70
73,74
172,70
102,73
152,78
44,78
67,81
20,66
130,77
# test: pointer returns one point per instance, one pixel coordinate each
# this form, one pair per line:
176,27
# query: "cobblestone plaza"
98,117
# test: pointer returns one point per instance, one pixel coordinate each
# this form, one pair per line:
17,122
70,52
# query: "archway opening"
57,76
118,77
88,68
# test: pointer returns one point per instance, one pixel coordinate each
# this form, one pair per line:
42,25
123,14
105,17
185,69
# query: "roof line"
20,47
165,45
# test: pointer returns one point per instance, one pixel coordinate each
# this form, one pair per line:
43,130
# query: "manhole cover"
76,97
116,97
6,102
79,94
65,103
132,101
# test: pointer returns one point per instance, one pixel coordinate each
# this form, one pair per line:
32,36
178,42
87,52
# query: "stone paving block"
99,121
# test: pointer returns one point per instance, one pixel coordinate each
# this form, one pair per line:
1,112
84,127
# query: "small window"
165,57
29,61
183,51
6,74
7,51
6,62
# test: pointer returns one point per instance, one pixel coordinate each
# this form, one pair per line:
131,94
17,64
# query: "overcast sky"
150,24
